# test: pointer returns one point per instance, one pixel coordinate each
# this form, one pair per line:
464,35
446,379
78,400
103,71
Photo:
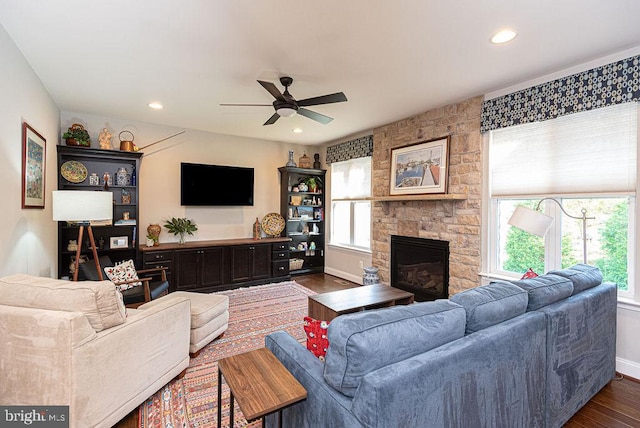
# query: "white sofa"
68,343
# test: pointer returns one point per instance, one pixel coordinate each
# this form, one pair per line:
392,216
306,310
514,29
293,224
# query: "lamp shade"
530,221
75,205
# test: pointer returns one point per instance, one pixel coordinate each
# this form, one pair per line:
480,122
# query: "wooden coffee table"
327,306
260,384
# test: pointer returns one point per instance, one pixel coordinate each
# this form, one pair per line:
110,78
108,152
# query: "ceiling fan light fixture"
286,111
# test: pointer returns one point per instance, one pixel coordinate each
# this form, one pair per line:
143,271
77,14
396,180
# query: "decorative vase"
291,163
154,230
150,242
182,236
123,178
370,276
256,229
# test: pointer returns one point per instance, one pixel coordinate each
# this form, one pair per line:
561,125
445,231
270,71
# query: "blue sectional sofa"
525,353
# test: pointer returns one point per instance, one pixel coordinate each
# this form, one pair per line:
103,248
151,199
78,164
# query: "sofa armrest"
125,364
35,360
324,406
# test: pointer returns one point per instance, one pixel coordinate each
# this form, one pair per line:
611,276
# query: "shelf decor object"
536,222
33,167
420,168
273,224
83,207
73,171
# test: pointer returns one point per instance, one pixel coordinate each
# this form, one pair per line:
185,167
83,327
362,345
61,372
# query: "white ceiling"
391,59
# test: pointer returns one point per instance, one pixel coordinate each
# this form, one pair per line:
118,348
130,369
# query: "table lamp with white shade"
82,207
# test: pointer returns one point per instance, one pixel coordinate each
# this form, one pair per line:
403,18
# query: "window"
584,161
350,209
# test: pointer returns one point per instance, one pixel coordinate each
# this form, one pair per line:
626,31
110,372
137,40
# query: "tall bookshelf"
108,237
304,214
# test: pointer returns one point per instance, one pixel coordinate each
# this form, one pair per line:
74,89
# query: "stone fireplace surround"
455,221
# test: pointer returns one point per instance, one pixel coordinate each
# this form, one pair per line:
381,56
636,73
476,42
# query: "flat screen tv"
215,185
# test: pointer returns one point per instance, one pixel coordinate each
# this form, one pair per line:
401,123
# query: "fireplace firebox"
420,266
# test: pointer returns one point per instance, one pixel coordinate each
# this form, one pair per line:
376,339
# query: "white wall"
159,178
28,237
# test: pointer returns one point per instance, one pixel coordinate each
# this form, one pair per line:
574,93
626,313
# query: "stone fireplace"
458,222
420,266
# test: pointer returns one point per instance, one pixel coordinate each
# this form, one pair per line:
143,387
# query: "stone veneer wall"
455,221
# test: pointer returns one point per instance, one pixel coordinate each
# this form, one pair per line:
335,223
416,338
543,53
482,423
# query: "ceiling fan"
287,106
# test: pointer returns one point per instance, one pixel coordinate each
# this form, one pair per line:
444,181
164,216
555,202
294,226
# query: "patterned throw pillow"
317,341
121,272
529,274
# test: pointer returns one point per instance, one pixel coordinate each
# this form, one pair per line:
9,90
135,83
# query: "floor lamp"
538,223
82,207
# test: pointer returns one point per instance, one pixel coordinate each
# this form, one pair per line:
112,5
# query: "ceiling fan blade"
338,97
245,105
272,89
272,119
315,116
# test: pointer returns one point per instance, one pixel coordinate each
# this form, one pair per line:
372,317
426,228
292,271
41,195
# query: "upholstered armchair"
153,282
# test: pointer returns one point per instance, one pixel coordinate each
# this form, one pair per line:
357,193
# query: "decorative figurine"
105,139
316,161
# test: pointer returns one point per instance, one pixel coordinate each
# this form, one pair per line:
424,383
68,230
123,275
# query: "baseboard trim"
628,368
344,275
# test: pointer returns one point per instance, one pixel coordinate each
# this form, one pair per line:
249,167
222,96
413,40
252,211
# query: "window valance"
352,149
611,84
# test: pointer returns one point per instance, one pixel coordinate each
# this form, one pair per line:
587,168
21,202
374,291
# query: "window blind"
351,179
582,153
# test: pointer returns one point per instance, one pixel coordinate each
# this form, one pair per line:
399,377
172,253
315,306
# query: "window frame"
352,218
552,260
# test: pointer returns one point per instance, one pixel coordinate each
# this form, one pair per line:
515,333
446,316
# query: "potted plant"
314,183
152,240
77,136
181,227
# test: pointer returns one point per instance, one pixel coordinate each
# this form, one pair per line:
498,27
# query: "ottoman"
209,317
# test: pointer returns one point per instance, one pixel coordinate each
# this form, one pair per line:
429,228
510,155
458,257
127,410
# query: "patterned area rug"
254,312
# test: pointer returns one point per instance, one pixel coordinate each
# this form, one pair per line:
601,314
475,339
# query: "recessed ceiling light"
503,36
156,106
296,130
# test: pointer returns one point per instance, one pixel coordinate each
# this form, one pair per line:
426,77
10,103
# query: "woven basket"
295,264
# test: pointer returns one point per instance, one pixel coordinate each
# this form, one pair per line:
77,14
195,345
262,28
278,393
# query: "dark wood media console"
208,266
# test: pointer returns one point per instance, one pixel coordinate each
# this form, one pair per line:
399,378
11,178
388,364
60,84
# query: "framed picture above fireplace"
420,168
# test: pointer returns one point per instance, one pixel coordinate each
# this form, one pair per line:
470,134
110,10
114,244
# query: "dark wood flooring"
616,405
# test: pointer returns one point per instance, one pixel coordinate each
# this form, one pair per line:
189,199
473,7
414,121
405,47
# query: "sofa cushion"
363,342
491,304
545,289
582,276
99,301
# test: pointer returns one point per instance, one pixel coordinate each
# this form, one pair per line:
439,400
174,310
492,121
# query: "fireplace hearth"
420,266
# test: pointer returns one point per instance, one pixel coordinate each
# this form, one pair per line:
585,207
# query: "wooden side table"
260,383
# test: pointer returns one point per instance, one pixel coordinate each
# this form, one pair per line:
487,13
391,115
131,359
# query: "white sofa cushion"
99,301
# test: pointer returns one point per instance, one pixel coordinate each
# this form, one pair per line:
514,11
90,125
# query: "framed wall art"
420,168
33,167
